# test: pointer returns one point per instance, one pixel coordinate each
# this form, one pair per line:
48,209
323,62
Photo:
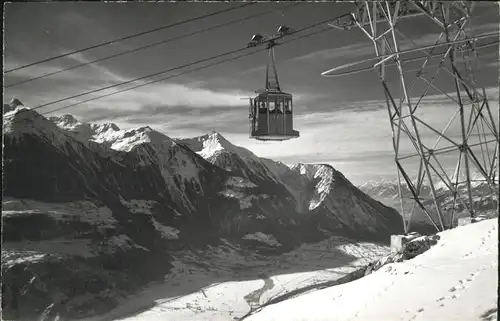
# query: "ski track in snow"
456,280
462,285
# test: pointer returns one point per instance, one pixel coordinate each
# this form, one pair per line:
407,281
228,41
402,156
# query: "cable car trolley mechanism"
271,111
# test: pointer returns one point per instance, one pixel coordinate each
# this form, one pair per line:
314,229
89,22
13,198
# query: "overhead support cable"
179,67
154,44
130,36
182,73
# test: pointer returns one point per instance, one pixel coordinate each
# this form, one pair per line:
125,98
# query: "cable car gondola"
271,111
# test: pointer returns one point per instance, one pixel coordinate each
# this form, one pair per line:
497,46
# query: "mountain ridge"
62,177
214,148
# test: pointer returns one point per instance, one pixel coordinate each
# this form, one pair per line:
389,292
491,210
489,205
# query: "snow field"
188,294
84,211
455,280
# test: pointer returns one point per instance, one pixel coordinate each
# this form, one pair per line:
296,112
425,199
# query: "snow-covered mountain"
182,171
318,190
126,198
387,192
84,131
13,104
382,190
216,149
332,199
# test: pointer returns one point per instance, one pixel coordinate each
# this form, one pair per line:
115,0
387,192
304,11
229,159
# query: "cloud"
252,70
365,48
327,104
351,131
27,72
492,64
81,80
74,18
90,73
362,49
355,137
171,116
105,72
486,28
351,51
171,108
168,95
80,24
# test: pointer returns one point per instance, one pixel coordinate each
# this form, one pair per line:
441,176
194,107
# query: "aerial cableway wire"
131,36
153,44
176,68
140,78
182,73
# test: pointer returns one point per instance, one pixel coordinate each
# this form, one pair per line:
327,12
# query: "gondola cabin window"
262,108
288,106
280,106
272,107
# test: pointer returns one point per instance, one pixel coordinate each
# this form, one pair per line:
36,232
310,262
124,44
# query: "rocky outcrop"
336,204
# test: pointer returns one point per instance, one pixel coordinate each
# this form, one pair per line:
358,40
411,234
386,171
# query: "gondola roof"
273,94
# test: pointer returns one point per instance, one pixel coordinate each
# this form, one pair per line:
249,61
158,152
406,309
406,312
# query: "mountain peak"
100,128
66,119
21,113
126,140
218,136
216,149
212,144
145,131
24,121
69,122
84,131
215,135
14,102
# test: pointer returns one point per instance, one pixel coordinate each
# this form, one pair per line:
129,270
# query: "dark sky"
210,99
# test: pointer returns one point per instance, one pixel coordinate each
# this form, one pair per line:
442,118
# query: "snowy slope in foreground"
455,280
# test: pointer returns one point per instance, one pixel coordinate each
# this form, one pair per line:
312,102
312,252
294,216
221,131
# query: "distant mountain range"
128,198
483,198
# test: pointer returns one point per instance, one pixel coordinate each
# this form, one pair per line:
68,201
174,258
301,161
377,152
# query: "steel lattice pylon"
470,137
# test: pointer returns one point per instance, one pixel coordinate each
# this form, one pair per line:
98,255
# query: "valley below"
226,283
